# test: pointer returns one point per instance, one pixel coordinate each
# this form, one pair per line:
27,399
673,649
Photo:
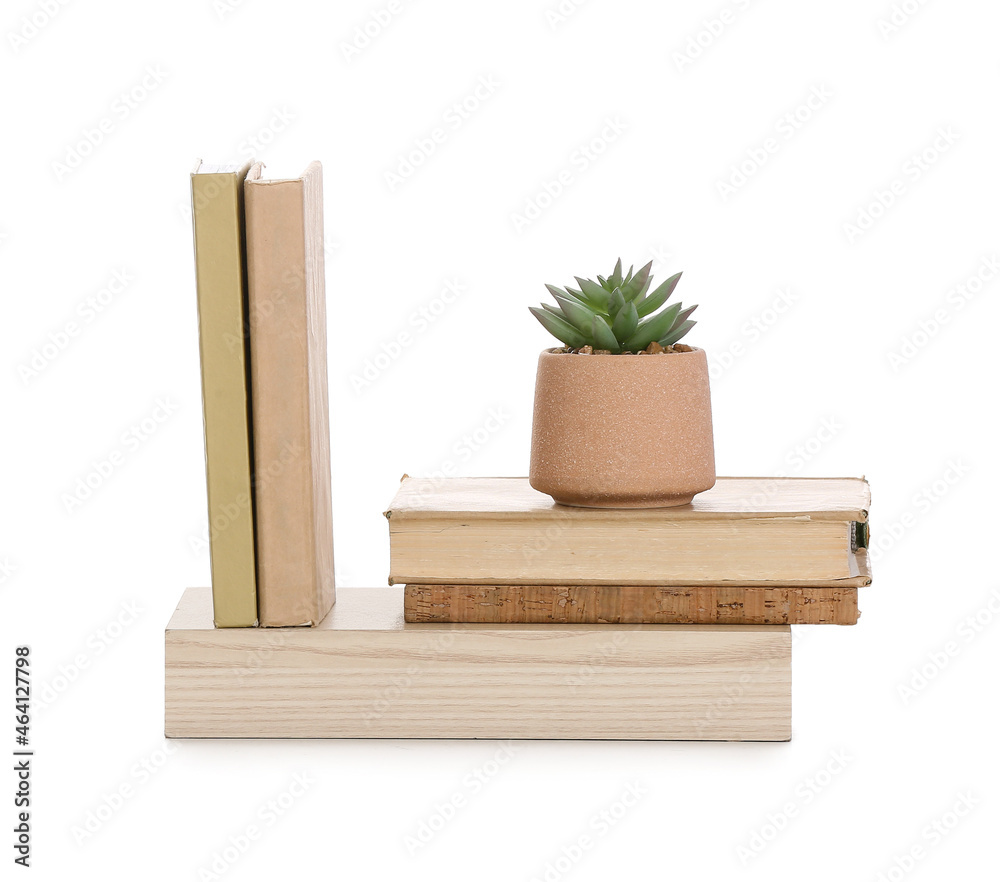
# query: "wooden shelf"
365,673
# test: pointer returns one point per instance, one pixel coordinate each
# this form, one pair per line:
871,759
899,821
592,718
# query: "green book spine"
220,267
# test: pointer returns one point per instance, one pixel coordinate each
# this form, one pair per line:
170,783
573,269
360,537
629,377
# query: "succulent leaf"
559,295
659,296
626,322
604,337
578,315
615,279
593,292
642,292
616,313
557,312
634,288
615,303
677,333
559,328
653,328
682,317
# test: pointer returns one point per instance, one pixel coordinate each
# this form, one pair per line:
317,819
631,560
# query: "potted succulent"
622,416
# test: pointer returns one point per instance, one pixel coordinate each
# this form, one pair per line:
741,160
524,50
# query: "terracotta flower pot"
622,431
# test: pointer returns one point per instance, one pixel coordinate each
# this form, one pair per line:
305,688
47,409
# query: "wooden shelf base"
365,673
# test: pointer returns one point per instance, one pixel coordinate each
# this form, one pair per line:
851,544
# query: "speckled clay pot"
622,431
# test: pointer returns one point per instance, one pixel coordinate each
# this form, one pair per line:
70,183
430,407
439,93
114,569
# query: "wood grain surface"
365,673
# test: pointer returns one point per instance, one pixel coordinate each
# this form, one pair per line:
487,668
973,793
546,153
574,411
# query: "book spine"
629,604
291,414
444,548
217,210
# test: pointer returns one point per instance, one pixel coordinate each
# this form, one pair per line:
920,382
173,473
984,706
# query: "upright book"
809,532
220,256
291,436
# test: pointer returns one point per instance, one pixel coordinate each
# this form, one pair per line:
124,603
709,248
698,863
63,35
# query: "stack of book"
513,617
262,322
750,551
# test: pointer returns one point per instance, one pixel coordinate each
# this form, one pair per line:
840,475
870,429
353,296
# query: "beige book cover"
219,247
287,313
807,532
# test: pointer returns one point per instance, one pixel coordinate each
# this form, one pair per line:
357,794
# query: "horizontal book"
630,604
806,532
364,673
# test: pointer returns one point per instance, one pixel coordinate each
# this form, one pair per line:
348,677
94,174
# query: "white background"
877,365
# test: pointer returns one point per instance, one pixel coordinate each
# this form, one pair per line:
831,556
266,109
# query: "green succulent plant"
616,313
